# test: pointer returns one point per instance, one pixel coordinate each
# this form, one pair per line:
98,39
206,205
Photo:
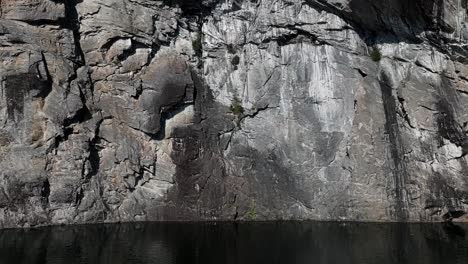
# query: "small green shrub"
236,107
375,54
252,212
197,45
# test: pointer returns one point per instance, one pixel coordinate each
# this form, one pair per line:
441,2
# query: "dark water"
290,242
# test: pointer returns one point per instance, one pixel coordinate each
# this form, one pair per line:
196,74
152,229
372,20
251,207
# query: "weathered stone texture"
133,110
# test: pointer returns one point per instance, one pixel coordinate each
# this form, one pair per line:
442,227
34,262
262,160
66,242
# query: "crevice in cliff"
403,112
361,72
110,42
47,88
257,111
79,196
295,35
138,91
80,116
45,192
42,22
252,114
462,91
94,158
72,22
418,63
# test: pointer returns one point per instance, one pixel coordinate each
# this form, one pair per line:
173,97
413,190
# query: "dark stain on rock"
175,85
5,138
192,7
443,194
448,127
204,189
16,88
269,185
16,193
401,17
20,86
199,186
389,21
452,214
399,170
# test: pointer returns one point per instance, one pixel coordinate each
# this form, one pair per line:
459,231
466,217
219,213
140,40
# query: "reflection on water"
286,242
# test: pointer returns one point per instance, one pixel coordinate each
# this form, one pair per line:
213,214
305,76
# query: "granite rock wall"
135,110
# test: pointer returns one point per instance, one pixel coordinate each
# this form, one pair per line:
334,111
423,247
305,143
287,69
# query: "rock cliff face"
133,110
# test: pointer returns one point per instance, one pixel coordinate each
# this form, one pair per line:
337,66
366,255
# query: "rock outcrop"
134,110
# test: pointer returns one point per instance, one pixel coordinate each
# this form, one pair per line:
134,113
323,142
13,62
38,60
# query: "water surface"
205,243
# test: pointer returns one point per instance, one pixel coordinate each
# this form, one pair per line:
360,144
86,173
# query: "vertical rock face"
133,110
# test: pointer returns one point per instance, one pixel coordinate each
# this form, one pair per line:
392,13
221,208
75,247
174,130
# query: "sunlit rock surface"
134,110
